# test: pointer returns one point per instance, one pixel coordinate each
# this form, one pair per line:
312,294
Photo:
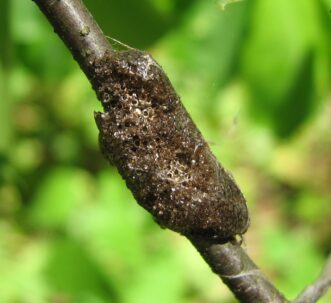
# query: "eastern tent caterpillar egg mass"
146,132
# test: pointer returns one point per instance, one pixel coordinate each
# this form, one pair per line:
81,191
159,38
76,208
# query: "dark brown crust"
146,132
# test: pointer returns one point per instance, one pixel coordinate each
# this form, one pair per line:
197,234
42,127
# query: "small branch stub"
146,132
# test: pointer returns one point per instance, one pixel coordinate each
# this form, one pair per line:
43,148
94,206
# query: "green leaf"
292,257
299,101
312,207
224,3
150,18
71,271
22,261
160,280
113,222
279,62
205,51
59,196
35,43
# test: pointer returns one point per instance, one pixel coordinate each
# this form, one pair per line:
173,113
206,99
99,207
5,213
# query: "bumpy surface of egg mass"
146,132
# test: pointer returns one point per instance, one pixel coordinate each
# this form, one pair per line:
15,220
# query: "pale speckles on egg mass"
146,132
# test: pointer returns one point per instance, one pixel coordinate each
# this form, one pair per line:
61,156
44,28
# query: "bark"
76,27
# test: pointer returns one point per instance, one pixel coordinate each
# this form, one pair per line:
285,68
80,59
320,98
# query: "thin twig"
231,263
76,27
315,291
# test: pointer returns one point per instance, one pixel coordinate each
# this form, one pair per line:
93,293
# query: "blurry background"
255,78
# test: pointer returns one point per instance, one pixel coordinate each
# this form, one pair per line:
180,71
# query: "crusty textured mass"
148,135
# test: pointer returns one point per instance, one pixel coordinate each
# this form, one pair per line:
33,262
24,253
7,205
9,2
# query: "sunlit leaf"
279,62
59,196
71,272
224,3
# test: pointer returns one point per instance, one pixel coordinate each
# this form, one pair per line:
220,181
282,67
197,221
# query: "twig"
315,291
77,28
231,263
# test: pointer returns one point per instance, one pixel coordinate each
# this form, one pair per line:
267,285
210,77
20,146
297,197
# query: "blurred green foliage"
255,76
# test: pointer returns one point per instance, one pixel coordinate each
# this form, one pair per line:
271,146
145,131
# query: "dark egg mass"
146,132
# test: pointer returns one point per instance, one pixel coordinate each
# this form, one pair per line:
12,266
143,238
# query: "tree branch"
76,27
105,69
231,263
315,291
